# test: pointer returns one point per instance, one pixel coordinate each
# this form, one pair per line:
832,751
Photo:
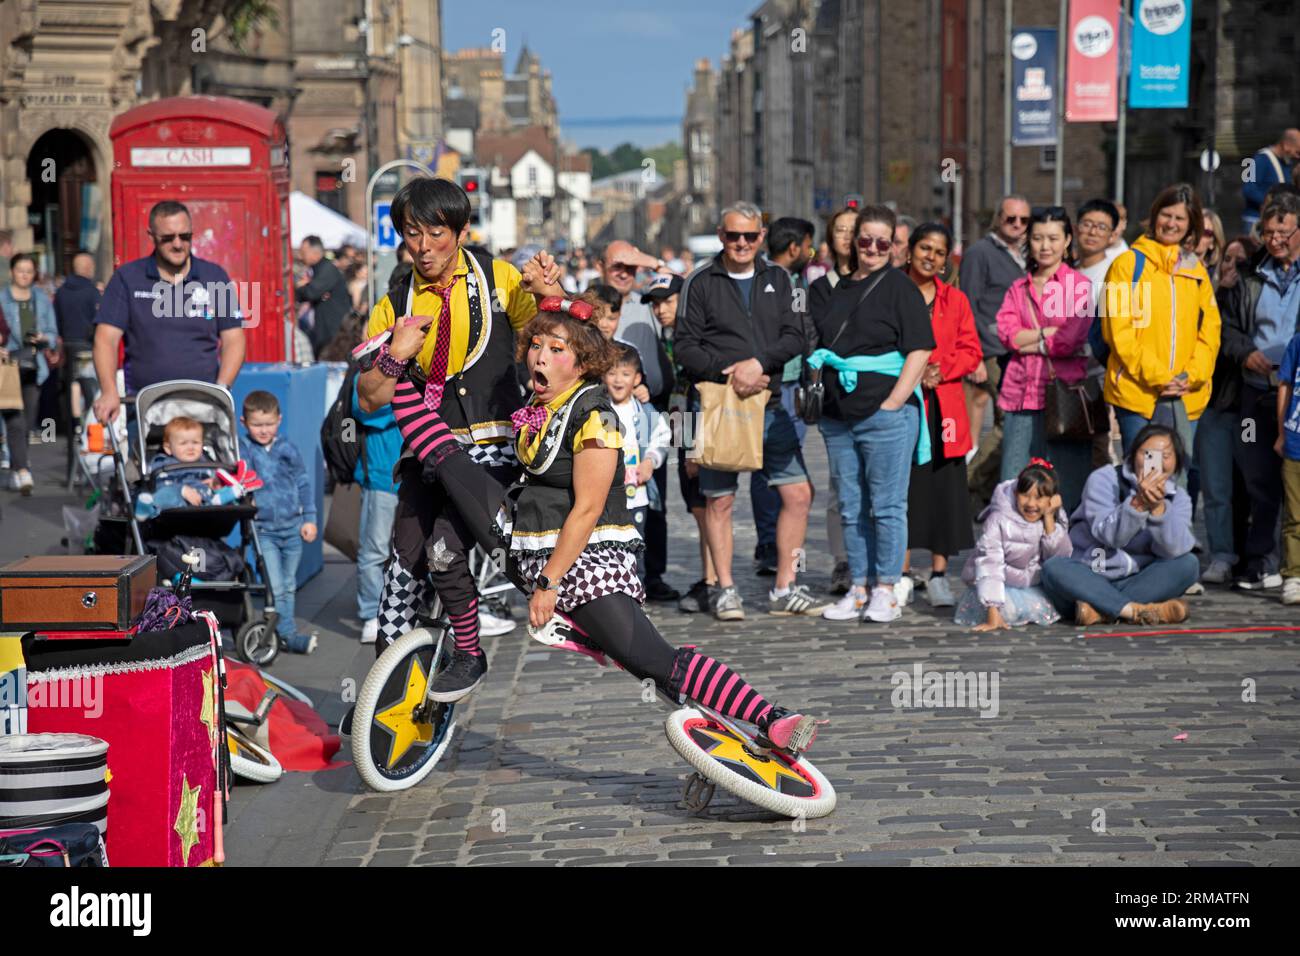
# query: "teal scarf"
891,363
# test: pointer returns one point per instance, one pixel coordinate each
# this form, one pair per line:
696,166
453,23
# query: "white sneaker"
25,483
903,591
1291,591
489,625
1219,572
884,606
939,592
1196,588
847,608
370,631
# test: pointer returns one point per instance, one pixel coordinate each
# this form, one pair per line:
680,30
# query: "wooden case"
75,592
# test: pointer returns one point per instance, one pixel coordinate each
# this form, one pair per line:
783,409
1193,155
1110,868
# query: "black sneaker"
657,589
840,579
765,561
1259,581
698,600
459,678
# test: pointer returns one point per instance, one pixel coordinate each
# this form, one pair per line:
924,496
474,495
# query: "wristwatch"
544,584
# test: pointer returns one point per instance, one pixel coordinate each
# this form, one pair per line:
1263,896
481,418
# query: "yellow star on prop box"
208,712
732,751
187,818
397,718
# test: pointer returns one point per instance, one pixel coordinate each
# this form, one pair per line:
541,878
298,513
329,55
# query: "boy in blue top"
1288,446
374,472
286,511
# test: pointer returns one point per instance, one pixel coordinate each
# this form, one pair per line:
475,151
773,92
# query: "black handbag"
811,393
1072,411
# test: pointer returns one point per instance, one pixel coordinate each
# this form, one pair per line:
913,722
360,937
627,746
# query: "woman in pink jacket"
1044,323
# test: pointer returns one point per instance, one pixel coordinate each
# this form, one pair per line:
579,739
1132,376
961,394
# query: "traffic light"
852,201
470,184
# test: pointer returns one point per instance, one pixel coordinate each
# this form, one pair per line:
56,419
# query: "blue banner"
1162,48
1033,87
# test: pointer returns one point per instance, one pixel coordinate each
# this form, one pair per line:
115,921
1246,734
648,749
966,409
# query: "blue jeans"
871,464
1066,580
1023,438
377,510
1216,435
282,550
1130,423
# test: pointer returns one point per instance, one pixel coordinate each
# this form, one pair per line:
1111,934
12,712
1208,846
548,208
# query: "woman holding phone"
1132,540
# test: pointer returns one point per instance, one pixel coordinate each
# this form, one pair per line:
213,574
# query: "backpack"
342,436
1096,341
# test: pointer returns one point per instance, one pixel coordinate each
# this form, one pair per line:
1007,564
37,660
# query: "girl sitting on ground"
1024,525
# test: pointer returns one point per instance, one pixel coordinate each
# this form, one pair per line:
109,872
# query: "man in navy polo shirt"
179,314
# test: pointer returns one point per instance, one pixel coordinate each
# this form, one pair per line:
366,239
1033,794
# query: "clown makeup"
552,366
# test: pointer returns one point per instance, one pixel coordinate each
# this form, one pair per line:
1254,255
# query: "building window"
330,191
532,176
1047,158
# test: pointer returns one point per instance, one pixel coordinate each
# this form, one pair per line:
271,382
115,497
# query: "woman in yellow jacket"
1161,322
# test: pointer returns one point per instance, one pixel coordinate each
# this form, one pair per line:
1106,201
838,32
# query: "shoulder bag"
811,393
1071,412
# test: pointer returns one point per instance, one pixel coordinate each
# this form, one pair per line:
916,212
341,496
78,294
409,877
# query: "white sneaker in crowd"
884,606
939,592
1195,588
489,625
1219,572
847,608
25,483
370,631
1291,591
903,590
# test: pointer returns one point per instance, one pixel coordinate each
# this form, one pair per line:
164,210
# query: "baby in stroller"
177,487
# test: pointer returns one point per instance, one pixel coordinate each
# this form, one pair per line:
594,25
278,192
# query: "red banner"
1092,64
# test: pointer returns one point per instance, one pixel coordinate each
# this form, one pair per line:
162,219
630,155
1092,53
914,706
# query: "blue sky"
619,71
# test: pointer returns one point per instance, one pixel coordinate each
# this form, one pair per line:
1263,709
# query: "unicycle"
724,752
398,734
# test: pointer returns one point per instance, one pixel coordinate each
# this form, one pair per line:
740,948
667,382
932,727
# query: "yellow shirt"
519,305
593,429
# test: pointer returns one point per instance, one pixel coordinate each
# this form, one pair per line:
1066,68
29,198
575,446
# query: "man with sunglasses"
736,322
987,271
196,334
1260,315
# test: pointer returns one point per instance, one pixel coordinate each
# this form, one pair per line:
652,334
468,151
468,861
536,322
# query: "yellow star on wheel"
397,718
208,712
187,818
731,750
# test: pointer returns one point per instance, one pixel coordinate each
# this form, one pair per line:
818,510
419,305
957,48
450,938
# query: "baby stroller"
223,582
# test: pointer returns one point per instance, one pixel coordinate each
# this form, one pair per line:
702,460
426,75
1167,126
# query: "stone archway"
68,207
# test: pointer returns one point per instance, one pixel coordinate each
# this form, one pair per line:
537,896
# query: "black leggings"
615,623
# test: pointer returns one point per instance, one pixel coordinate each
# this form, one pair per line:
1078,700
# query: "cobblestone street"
557,762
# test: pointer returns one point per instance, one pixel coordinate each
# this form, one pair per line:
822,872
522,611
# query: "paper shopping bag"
11,386
729,436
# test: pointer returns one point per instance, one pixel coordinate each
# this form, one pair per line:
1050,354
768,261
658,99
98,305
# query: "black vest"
478,399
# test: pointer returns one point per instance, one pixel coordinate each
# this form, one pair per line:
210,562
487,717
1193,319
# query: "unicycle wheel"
397,735
774,781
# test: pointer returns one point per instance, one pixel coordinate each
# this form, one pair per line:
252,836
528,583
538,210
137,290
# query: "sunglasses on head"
171,237
882,245
732,236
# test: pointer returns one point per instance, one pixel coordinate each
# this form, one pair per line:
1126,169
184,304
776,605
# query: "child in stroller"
174,488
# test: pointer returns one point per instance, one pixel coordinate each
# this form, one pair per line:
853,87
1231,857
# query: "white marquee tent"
309,218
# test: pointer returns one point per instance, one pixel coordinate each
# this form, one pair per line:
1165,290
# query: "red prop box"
154,699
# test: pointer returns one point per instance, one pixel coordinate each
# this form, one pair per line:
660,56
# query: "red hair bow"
1042,463
554,303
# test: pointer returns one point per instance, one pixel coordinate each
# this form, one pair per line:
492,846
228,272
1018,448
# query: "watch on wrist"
545,584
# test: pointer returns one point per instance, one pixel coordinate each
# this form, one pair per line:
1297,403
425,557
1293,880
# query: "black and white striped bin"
51,779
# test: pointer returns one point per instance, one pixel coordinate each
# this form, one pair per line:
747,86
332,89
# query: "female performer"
564,522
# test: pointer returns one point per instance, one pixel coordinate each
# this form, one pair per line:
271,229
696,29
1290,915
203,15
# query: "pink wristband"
390,366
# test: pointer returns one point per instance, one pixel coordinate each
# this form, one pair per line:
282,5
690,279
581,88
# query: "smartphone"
1150,462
